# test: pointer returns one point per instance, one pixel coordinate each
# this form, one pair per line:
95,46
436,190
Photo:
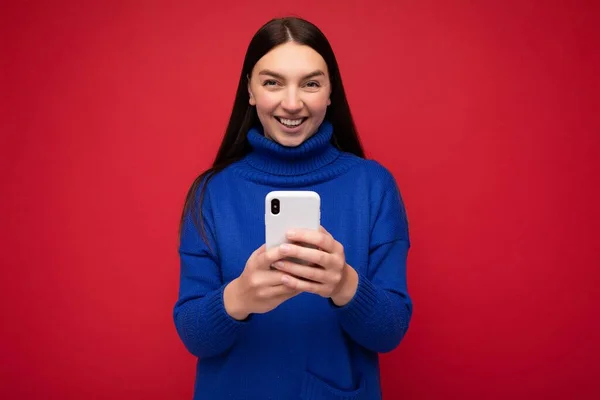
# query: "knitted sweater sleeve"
378,315
202,323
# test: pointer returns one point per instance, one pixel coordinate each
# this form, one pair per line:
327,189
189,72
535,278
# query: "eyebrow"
279,76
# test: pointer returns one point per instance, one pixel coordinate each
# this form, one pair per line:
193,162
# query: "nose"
291,102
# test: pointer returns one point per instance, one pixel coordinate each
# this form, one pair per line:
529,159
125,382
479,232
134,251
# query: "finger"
315,274
265,259
303,286
269,278
322,240
280,291
314,256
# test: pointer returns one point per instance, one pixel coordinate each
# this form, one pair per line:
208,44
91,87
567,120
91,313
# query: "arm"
202,323
378,314
374,308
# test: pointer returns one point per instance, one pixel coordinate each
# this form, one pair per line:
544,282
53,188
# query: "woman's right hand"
259,288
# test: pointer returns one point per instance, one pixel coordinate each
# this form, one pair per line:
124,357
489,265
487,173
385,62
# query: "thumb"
265,259
255,257
260,250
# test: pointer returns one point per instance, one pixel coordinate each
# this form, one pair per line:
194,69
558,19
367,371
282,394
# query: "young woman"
264,327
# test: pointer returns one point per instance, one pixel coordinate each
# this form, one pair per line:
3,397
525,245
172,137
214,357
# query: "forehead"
291,59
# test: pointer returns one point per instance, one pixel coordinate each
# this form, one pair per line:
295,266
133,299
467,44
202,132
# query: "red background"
486,113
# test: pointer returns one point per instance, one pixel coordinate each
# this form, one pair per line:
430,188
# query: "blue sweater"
307,348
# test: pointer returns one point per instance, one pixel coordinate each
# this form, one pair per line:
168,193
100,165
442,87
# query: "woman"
264,327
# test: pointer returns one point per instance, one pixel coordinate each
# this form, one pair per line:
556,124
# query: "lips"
291,122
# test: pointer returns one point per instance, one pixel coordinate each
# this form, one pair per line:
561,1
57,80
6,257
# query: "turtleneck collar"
271,157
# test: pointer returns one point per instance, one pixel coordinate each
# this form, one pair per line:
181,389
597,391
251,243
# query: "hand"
329,275
259,288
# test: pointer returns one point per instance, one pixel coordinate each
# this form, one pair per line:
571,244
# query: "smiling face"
290,88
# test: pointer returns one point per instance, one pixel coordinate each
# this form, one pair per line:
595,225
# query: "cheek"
317,104
266,103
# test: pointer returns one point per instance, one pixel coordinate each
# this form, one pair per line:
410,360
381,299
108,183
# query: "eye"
269,82
313,84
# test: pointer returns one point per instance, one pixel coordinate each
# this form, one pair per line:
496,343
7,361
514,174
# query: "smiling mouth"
291,123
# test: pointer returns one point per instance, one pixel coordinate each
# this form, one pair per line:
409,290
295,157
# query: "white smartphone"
285,210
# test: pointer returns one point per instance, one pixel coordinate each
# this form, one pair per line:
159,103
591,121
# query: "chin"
288,141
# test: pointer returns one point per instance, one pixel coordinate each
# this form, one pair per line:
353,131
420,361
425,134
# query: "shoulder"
375,173
214,182
377,170
205,186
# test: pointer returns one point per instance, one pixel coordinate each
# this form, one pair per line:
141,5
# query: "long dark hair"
243,116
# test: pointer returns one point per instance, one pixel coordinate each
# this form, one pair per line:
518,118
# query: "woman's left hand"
328,275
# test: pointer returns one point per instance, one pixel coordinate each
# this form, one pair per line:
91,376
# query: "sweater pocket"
314,388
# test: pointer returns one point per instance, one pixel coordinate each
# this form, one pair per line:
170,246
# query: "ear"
251,100
329,101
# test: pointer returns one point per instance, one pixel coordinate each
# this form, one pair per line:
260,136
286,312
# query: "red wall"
486,113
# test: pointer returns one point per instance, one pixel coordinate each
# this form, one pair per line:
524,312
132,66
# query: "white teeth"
291,122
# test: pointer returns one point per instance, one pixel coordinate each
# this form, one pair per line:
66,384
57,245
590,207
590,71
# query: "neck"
273,158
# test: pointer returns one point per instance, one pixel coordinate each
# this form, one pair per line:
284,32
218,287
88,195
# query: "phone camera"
275,206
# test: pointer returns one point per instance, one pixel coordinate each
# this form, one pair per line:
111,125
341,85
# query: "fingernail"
285,248
291,233
278,264
285,279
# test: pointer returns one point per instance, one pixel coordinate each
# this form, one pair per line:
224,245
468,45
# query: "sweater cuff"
223,324
360,307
